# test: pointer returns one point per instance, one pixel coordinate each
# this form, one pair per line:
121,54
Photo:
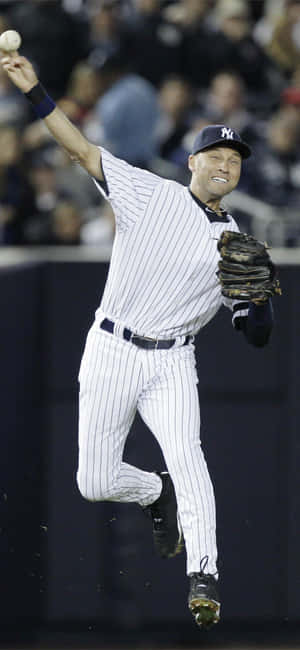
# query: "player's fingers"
20,60
7,66
10,64
14,58
5,59
8,60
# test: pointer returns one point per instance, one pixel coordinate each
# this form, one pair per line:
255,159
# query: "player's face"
215,172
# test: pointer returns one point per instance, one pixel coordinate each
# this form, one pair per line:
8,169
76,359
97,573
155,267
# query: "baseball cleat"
204,602
167,532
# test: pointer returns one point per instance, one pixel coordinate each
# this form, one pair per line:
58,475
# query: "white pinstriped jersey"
162,279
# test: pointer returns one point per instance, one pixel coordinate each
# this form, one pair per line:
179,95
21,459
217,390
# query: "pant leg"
110,382
170,408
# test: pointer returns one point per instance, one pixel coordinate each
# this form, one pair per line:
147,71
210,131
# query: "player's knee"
92,491
84,489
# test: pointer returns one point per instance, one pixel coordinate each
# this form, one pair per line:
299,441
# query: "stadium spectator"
53,39
284,46
109,31
55,181
14,190
226,103
45,195
65,224
274,174
290,96
141,77
127,110
176,99
81,94
192,17
156,42
3,23
78,102
264,27
74,182
233,47
188,12
178,157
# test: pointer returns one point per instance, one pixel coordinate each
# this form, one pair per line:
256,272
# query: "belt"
142,341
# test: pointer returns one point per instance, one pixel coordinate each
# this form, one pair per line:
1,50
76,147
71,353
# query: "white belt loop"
118,330
179,341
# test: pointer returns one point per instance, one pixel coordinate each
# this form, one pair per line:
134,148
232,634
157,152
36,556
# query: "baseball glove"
246,271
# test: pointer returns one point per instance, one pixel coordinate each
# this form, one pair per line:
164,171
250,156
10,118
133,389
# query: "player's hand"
20,71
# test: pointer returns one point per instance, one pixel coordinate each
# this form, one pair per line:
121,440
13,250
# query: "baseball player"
161,289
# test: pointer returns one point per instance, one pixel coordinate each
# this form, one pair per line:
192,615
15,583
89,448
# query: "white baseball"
10,41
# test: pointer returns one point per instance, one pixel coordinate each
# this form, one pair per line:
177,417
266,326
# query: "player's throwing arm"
22,74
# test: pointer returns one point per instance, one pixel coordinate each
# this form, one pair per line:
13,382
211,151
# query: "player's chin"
219,190
225,189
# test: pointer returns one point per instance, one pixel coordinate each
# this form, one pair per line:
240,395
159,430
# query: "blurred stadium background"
141,77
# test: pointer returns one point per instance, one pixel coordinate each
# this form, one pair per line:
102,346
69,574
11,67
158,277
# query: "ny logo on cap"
227,133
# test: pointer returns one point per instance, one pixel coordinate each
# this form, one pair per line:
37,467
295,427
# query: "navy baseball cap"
219,134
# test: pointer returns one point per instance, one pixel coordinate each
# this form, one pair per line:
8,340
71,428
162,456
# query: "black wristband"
42,103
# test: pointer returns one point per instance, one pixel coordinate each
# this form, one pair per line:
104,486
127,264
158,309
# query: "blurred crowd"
141,77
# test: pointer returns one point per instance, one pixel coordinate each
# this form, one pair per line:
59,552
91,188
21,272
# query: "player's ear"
191,162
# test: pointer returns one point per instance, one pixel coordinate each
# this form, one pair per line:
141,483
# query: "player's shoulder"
174,185
150,176
166,185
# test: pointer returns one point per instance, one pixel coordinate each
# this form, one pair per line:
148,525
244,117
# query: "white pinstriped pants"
116,379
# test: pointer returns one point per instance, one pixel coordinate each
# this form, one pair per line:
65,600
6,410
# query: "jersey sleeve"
127,188
239,308
257,327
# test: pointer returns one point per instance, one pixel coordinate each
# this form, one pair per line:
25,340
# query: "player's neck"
212,204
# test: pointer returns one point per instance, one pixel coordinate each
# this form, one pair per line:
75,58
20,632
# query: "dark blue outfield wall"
66,560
